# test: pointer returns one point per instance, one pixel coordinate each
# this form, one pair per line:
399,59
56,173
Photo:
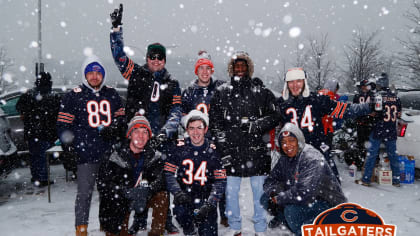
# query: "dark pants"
184,214
222,207
294,216
38,148
331,163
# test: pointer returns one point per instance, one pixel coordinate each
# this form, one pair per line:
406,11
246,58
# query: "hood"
88,60
331,85
241,55
292,128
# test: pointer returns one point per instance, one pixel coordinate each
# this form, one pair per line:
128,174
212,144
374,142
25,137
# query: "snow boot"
171,228
224,222
138,225
81,230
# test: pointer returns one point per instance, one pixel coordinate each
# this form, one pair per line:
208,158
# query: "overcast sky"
267,30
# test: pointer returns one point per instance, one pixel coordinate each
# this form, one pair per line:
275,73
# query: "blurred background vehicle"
8,151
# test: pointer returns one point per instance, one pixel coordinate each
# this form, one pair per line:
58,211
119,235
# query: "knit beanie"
156,48
196,115
136,122
95,66
203,59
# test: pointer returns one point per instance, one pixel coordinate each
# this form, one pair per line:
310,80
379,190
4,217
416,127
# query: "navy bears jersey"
196,97
83,113
386,125
307,113
198,171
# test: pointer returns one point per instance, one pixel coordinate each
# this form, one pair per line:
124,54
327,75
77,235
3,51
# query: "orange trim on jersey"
129,70
170,167
343,110
65,121
337,110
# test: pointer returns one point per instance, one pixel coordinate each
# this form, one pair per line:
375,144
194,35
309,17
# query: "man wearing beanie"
306,109
152,92
241,112
300,186
38,108
131,178
198,95
84,111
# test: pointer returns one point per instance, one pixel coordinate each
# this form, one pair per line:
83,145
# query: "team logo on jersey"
348,219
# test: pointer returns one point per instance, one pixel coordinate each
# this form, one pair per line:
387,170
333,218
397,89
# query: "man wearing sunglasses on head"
152,92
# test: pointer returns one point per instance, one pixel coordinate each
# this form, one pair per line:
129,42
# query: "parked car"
8,151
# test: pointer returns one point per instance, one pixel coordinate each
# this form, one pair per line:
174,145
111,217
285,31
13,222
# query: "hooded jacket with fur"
305,178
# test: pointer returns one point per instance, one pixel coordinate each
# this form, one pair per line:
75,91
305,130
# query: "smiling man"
196,177
301,185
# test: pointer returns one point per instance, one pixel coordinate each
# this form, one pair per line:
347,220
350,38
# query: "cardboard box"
407,169
384,177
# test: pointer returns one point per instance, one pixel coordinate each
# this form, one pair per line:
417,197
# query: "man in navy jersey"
196,177
83,112
384,130
305,109
364,123
152,92
198,95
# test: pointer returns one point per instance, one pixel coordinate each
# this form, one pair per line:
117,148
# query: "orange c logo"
344,217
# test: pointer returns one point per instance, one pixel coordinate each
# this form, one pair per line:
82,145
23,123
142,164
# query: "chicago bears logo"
348,219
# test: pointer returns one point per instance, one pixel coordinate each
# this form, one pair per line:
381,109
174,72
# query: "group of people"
137,161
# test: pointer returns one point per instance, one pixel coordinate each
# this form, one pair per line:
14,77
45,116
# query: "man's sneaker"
365,184
396,185
171,228
224,222
274,223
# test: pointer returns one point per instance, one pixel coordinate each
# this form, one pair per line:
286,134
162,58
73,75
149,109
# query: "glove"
249,127
156,141
138,197
226,161
181,198
116,16
204,211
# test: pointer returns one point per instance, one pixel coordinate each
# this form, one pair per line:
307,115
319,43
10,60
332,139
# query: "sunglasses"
160,57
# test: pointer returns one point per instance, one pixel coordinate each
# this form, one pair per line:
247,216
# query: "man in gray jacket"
301,185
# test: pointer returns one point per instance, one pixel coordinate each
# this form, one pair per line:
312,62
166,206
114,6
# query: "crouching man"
196,178
301,185
131,177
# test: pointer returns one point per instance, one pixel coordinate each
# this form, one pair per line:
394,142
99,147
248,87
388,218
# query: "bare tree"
363,57
5,64
410,58
319,64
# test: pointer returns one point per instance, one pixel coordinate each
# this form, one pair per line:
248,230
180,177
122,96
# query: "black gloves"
116,16
181,198
226,161
157,141
138,197
204,211
249,127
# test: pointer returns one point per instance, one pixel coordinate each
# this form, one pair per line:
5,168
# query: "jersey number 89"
95,111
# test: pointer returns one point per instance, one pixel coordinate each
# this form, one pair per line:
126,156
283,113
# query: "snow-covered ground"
23,213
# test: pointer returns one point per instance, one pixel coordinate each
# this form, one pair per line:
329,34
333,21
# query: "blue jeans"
38,148
391,149
232,203
294,216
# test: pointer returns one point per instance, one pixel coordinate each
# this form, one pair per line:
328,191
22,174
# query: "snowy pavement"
25,213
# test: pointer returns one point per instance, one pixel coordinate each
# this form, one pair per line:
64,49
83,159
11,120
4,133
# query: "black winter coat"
232,102
116,177
39,113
